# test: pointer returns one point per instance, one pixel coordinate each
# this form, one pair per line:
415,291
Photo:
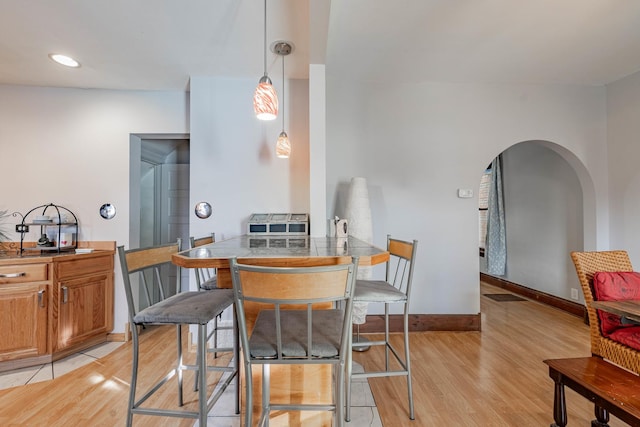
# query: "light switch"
465,193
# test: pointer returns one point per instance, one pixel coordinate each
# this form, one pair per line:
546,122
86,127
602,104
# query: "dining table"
628,310
289,383
279,251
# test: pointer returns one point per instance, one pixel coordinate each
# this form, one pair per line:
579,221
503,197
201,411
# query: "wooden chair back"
201,241
289,288
143,270
399,269
203,275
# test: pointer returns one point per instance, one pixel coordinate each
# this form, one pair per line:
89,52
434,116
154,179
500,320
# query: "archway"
550,211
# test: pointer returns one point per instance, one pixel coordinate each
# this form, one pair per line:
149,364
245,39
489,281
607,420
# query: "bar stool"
395,289
300,334
206,280
173,308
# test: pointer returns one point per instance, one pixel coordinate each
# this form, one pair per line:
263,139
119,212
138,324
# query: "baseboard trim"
565,305
423,322
451,322
117,337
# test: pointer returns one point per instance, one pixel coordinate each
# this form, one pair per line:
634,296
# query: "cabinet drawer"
23,273
84,265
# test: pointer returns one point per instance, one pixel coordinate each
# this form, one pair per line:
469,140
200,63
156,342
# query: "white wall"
543,206
623,134
417,144
233,161
71,147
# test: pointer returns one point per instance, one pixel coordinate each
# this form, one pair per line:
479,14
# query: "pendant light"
283,145
265,98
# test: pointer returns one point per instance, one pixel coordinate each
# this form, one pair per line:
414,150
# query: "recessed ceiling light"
64,60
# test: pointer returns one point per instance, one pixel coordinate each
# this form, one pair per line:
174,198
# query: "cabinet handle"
12,275
65,294
41,298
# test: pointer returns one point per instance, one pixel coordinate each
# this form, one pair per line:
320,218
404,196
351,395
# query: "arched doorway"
549,211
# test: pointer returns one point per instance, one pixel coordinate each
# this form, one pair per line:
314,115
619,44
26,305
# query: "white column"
317,151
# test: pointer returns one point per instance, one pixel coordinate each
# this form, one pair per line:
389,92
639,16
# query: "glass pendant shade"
283,146
265,100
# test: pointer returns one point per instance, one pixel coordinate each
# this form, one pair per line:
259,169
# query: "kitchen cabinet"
84,296
54,305
24,311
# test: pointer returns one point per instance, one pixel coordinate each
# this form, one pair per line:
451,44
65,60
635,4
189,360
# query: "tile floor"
363,408
363,411
48,371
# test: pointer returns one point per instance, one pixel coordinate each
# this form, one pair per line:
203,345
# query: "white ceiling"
159,44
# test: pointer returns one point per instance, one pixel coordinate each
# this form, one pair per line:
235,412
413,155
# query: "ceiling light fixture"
283,145
64,60
265,98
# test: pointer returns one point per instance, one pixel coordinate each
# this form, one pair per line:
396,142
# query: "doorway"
544,205
159,195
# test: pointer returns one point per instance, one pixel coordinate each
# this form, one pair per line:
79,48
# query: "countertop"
10,252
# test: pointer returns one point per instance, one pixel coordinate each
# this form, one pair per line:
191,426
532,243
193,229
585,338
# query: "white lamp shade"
283,146
265,101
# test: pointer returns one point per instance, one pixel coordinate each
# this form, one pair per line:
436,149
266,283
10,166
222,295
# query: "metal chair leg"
179,365
236,357
338,394
248,410
266,395
386,337
202,371
134,376
347,380
407,361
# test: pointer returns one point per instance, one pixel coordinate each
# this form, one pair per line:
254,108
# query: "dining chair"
587,264
395,289
141,273
294,327
206,278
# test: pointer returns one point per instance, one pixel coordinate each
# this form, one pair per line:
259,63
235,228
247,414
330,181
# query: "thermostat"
465,193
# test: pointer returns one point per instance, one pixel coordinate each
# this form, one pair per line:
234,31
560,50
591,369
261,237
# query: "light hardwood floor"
491,378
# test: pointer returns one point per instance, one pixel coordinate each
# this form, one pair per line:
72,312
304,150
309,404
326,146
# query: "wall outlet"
574,294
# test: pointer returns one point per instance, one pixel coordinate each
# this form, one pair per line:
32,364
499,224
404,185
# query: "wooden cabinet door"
24,312
82,309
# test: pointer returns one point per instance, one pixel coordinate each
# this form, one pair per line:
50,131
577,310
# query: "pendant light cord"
265,37
282,93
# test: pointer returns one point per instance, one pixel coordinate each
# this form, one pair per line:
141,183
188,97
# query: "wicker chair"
587,264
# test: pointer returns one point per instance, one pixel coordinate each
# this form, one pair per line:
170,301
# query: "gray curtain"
496,245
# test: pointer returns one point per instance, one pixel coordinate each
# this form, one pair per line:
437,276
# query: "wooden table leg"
602,417
224,278
559,405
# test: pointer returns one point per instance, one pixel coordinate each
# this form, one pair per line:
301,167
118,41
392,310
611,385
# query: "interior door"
173,211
